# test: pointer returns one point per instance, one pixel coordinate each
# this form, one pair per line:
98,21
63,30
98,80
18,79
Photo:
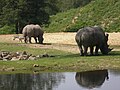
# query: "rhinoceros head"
105,49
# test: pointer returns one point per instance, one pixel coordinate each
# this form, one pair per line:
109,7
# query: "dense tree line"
18,13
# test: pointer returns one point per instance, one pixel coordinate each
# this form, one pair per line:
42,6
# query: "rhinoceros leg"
40,39
81,49
96,50
35,39
30,40
91,50
85,51
25,39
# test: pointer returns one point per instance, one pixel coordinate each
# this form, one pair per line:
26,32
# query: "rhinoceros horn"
110,49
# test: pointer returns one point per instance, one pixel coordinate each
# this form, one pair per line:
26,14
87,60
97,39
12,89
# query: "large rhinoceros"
90,37
34,31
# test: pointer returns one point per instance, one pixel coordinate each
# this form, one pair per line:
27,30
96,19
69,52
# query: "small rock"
45,55
8,57
23,57
15,59
35,65
24,53
4,53
32,58
10,69
38,56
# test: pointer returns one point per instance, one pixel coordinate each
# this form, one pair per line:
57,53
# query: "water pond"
90,80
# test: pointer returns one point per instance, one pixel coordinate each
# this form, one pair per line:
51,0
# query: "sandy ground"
60,41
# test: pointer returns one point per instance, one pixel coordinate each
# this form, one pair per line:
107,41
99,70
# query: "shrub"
7,29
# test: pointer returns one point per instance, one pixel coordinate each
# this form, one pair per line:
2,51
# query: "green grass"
63,61
105,13
61,21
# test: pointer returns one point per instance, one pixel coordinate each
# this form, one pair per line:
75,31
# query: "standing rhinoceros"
90,37
34,31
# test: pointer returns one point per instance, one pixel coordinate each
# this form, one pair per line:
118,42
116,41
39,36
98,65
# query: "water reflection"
91,79
43,81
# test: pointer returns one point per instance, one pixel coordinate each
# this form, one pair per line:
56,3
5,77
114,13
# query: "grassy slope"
105,13
63,61
60,21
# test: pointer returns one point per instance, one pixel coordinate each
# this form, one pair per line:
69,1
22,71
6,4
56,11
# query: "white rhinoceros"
34,31
90,37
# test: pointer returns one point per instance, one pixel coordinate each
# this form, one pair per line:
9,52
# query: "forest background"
15,14
59,15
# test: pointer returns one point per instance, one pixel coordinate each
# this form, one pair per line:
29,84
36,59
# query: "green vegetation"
63,61
60,22
18,13
7,30
59,15
104,13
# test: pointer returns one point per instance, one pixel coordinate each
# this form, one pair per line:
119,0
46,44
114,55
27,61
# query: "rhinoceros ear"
106,36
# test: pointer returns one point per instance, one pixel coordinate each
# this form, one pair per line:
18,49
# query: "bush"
7,29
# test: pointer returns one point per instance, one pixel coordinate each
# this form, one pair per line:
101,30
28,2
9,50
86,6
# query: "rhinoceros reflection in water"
91,79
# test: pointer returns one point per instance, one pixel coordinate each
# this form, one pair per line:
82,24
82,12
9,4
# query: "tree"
18,13
51,7
34,12
22,12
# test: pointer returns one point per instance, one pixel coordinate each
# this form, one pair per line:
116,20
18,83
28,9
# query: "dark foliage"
18,13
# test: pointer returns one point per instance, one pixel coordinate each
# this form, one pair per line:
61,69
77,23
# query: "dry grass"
60,41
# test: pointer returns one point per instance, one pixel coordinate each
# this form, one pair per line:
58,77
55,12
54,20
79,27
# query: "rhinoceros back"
90,36
38,30
32,30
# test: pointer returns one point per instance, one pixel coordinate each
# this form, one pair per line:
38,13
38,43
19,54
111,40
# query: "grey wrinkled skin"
34,31
92,37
